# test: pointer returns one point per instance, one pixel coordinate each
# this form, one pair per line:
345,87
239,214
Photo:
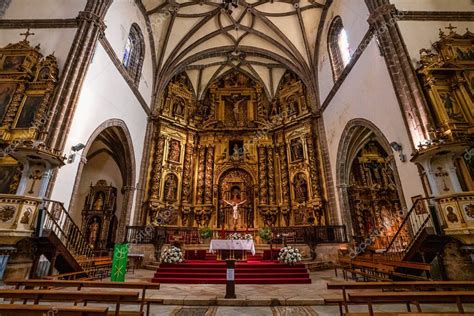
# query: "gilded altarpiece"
373,196
244,161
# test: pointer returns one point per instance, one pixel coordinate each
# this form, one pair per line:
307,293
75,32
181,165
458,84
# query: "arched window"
338,47
134,53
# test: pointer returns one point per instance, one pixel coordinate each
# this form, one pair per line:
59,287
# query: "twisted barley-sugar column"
271,175
157,168
285,187
262,175
209,174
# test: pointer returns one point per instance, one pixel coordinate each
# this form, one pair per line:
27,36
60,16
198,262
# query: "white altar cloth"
229,244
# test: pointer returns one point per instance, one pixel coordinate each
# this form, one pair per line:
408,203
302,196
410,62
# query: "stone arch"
128,171
357,133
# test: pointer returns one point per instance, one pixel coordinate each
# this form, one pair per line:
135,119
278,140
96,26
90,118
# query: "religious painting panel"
9,178
28,110
174,151
7,90
451,105
11,63
420,207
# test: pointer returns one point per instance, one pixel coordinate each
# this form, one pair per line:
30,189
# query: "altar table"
232,245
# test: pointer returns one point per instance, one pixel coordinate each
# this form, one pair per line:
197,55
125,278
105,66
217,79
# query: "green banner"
119,263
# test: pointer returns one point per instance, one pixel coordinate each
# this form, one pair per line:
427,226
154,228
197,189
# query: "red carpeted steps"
214,272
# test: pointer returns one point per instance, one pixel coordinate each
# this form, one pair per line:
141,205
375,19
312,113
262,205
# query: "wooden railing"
57,220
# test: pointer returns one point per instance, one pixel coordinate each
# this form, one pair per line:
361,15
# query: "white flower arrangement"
289,255
172,255
240,236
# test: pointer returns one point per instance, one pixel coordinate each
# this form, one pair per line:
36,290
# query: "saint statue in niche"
296,149
93,231
301,188
292,105
99,201
170,188
178,108
175,150
274,108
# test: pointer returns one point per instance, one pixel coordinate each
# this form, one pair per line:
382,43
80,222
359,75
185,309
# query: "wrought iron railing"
190,235
57,220
420,217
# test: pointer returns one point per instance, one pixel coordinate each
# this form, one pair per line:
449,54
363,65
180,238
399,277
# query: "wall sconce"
75,149
399,149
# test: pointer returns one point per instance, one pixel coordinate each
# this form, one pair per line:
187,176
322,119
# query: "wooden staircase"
61,241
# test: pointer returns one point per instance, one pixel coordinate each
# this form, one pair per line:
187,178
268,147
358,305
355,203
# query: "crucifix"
451,28
35,176
27,34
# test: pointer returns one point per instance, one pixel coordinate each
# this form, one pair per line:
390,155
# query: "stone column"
407,88
91,27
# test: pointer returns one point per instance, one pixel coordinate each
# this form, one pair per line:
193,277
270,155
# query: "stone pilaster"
91,27
410,96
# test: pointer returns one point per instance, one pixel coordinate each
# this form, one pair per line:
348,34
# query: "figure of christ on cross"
235,209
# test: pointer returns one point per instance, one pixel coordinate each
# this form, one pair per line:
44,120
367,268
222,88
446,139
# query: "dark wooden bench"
416,298
392,286
135,285
37,296
41,310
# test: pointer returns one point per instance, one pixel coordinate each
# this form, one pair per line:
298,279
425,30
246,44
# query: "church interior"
306,157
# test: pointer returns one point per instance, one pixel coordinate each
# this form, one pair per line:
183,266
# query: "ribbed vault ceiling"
262,38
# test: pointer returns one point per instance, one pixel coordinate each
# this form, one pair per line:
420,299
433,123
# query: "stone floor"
260,300
257,300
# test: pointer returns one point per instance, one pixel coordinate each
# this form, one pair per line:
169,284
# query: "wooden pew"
41,310
416,298
137,285
368,270
37,296
392,286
